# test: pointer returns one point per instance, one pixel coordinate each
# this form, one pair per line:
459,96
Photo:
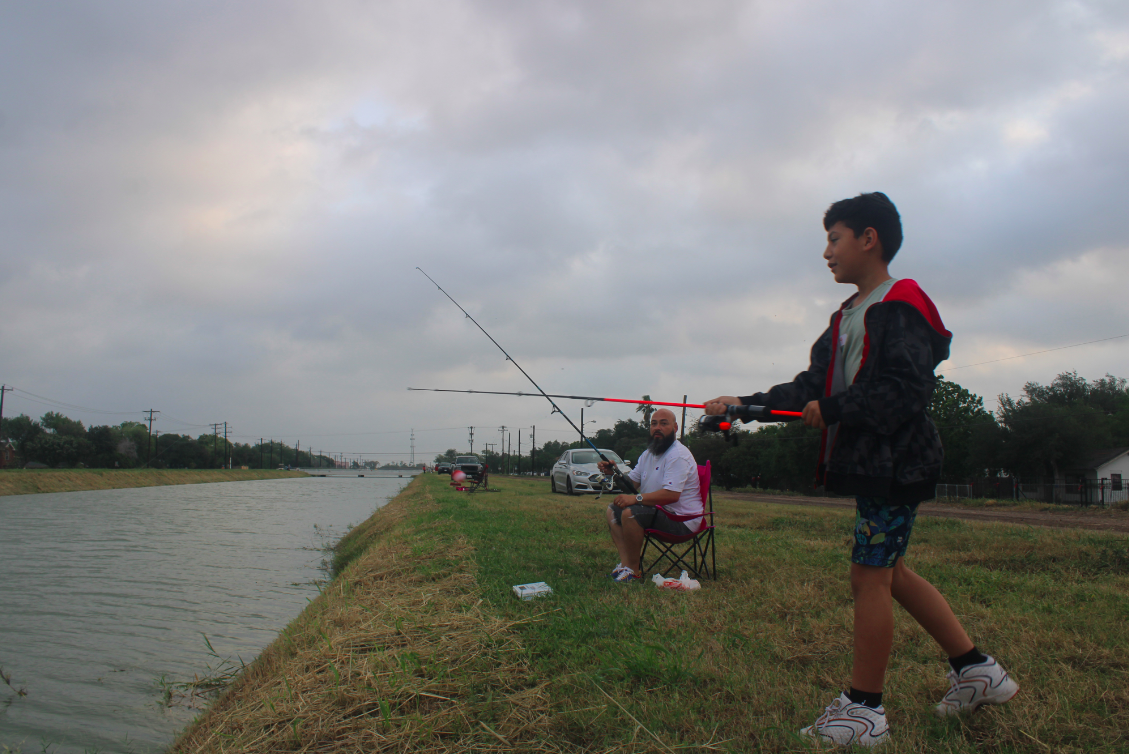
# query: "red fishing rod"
707,423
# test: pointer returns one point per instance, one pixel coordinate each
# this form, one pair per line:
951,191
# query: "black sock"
971,657
865,698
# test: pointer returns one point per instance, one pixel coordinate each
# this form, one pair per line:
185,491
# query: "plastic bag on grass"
682,584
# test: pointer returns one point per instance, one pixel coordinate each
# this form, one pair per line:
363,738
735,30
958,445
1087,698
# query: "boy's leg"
930,609
874,626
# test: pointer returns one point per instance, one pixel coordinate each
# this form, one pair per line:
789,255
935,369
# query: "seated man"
666,475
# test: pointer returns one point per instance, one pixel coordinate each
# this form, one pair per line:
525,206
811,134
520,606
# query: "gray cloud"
217,209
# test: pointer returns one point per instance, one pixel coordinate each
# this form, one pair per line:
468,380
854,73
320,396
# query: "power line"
1034,353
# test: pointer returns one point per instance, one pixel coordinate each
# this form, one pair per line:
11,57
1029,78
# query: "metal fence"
1082,492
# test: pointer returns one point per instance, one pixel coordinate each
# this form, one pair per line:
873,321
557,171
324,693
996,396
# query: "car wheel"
568,487
553,484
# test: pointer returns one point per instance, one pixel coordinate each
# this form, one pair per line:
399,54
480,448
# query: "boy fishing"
867,387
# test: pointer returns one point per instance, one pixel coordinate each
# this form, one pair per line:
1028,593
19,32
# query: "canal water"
106,598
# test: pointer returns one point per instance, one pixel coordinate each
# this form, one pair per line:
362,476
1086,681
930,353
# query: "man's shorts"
881,531
650,517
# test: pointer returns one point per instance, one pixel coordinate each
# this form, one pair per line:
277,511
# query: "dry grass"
398,654
32,481
419,645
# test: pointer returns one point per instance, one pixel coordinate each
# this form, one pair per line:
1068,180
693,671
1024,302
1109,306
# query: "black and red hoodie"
881,443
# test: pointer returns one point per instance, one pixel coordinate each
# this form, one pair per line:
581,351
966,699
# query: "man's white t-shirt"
674,470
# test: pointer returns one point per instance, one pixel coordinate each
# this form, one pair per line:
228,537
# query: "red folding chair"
668,548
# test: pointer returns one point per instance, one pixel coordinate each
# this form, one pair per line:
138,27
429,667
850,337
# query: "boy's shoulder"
907,291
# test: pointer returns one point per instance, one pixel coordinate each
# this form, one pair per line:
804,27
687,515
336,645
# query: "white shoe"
976,685
618,570
845,723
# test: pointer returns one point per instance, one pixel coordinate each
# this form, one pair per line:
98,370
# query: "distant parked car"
444,468
576,471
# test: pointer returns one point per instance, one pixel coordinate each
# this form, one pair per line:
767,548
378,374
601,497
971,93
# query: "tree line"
1048,431
57,441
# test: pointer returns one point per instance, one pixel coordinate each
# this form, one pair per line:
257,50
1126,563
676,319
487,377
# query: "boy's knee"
866,578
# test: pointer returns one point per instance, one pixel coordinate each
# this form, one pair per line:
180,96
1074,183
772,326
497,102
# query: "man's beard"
660,443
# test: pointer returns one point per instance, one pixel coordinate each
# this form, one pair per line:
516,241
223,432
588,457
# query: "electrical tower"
471,439
413,447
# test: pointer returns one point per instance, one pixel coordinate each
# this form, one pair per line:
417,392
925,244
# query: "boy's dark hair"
874,210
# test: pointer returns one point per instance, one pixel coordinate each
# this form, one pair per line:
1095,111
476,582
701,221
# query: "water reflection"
106,596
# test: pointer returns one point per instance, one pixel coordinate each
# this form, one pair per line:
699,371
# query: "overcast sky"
215,209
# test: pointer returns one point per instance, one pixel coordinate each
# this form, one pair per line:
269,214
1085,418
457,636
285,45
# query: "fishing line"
624,482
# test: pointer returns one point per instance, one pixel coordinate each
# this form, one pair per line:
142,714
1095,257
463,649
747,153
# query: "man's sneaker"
626,576
845,723
976,685
618,570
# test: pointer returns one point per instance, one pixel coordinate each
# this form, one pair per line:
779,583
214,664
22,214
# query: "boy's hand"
813,417
716,407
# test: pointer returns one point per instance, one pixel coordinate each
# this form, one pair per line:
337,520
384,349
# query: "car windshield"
589,456
467,459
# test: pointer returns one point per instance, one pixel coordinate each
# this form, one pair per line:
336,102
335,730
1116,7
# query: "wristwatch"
639,498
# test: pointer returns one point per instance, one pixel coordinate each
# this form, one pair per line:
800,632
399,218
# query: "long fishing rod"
620,477
763,414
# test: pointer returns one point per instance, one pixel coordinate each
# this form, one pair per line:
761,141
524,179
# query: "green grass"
423,611
757,654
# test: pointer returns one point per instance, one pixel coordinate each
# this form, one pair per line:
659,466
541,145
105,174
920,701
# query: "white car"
576,471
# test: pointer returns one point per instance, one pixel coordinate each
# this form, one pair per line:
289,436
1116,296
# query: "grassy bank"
30,481
419,644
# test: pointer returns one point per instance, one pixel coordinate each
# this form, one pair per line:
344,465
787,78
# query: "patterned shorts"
881,531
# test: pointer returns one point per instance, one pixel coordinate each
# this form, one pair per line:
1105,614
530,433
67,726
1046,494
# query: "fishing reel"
724,423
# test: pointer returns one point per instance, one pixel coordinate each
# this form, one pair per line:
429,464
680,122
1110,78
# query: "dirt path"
1072,518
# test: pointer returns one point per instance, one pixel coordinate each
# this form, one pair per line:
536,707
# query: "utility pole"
215,437
149,440
471,440
414,445
533,451
226,448
682,427
502,462
3,389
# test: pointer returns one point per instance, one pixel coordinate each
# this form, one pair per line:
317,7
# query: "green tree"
1052,429
646,411
968,431
62,425
22,431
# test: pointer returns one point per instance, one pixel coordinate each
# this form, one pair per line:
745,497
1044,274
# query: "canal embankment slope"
418,644
32,481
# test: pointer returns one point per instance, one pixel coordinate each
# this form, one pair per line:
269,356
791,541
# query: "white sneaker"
618,570
975,685
845,723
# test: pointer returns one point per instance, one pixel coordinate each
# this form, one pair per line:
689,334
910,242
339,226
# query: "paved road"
1070,518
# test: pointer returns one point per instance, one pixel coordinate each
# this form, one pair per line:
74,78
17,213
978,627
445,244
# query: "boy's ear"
871,241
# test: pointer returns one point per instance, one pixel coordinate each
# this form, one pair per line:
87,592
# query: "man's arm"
805,387
650,499
900,390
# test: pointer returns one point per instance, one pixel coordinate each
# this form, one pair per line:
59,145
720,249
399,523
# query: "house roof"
1102,457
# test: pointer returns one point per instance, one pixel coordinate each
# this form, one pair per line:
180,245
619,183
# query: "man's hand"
717,406
623,501
813,417
606,466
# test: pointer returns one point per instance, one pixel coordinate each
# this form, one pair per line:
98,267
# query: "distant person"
666,475
867,386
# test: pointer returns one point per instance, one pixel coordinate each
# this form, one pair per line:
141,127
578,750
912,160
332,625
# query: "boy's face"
852,258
